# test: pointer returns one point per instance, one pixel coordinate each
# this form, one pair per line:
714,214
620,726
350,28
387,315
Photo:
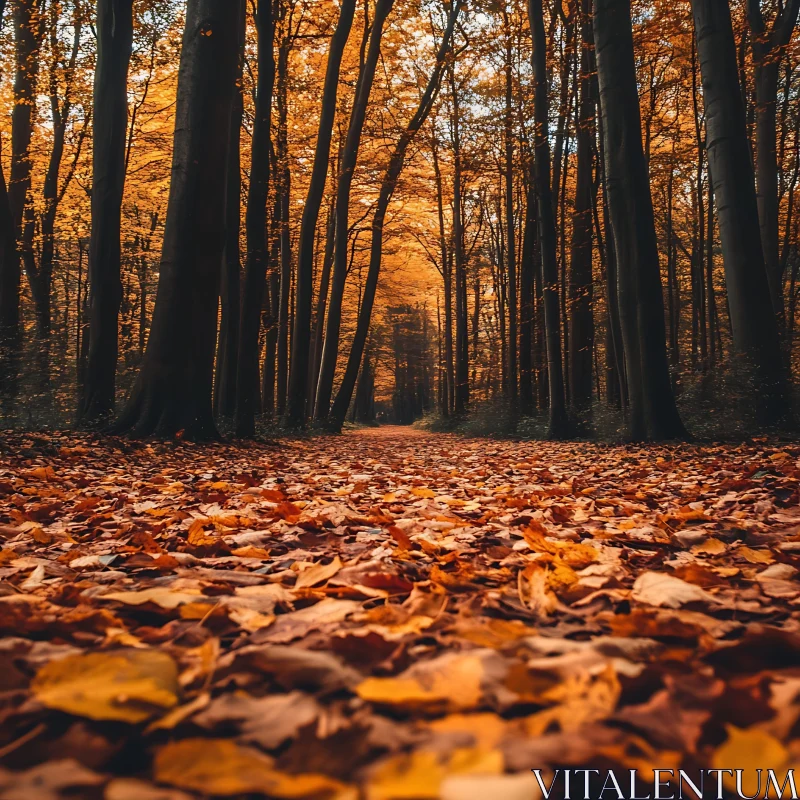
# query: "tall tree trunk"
318,328
653,414
581,321
230,288
769,48
461,388
301,332
114,43
447,281
255,274
511,252
330,350
754,323
526,279
342,401
10,278
172,394
547,227
284,189
28,33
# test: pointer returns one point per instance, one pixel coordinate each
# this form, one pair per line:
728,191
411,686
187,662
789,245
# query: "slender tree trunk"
511,252
318,328
10,279
581,320
330,351
527,269
28,32
342,401
255,275
114,43
769,48
753,319
301,333
653,414
230,288
447,281
284,300
461,388
547,228
172,394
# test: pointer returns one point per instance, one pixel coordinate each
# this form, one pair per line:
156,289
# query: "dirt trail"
389,611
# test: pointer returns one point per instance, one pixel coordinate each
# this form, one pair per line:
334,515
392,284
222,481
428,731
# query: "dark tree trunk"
330,351
10,278
581,322
653,414
461,387
342,401
255,276
301,332
547,227
447,281
318,328
769,48
172,394
114,43
230,288
28,32
753,320
284,191
511,251
527,270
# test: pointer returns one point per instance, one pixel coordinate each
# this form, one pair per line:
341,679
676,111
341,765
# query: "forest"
398,399
425,210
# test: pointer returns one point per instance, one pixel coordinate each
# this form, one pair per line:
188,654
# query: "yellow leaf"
452,680
407,777
755,556
428,494
710,547
749,750
319,573
222,767
162,596
197,535
127,685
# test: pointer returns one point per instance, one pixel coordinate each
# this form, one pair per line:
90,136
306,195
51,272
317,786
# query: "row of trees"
549,184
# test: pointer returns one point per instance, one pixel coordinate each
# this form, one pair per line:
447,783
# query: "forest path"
411,613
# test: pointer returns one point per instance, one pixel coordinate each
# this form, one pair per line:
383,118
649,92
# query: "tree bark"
753,319
114,43
301,332
330,350
581,321
769,48
172,394
653,414
230,288
511,251
10,279
547,229
255,276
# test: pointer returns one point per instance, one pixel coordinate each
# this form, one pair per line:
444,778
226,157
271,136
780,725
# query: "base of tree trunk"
163,414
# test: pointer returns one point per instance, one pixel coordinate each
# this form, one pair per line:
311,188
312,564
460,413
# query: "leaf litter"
390,614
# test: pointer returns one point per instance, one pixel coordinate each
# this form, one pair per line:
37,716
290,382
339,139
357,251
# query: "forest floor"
390,612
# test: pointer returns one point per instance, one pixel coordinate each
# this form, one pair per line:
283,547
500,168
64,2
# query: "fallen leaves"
402,616
125,685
